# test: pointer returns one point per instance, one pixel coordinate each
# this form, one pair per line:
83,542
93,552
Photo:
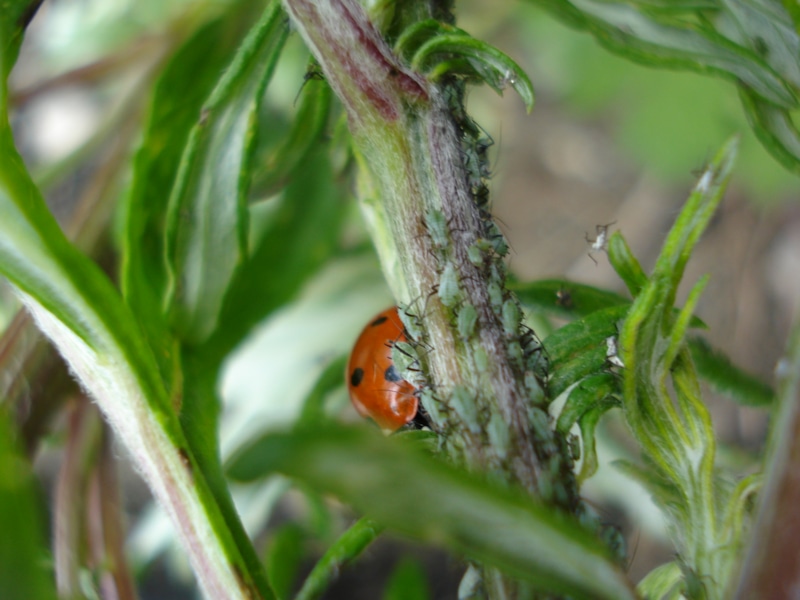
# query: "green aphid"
496,296
466,321
511,317
437,228
499,435
475,254
481,359
463,402
449,292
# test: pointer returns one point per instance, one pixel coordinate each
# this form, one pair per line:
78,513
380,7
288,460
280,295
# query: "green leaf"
207,226
727,378
665,582
199,418
588,425
490,65
570,300
565,299
180,91
638,36
274,171
774,128
579,349
284,556
298,237
14,18
794,10
748,42
674,430
438,49
416,34
740,505
24,572
408,582
587,402
346,549
589,393
430,501
76,305
766,27
626,264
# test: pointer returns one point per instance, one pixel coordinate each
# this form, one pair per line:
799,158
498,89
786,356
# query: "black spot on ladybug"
391,374
356,376
379,321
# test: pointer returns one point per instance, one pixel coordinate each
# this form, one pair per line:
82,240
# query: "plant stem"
432,238
411,154
770,568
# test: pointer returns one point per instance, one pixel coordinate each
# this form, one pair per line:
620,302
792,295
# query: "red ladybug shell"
376,389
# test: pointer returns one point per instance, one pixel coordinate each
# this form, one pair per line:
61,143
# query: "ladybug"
377,389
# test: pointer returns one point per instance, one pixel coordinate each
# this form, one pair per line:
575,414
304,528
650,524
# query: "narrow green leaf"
740,505
14,18
694,217
185,83
642,339
587,402
199,419
767,27
774,128
579,349
566,299
588,425
493,67
749,42
408,582
571,300
39,260
674,429
207,227
794,10
665,582
298,238
24,571
594,391
389,481
76,305
346,549
726,378
416,34
626,264
638,36
274,171
675,6
285,552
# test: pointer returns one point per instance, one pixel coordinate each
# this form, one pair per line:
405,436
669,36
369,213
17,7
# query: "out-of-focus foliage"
664,118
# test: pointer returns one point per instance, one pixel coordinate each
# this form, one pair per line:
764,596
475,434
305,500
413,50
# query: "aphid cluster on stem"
488,250
468,250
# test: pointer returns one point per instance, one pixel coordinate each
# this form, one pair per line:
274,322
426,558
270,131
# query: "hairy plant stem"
434,243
